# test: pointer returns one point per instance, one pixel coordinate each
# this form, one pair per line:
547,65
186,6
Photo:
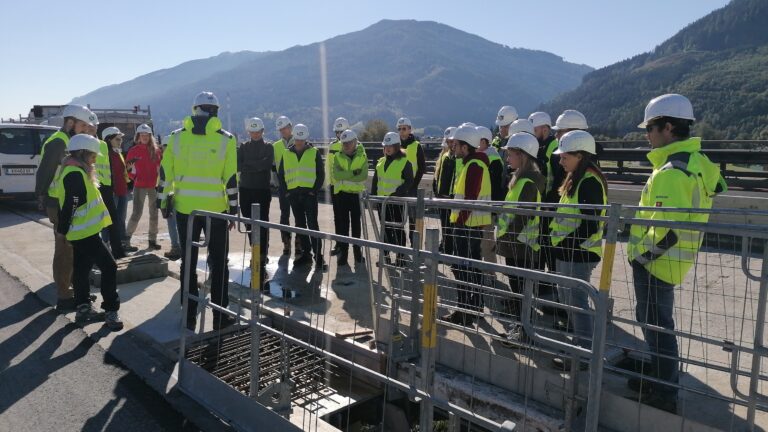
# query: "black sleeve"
240,157
408,181
319,172
75,195
590,192
497,188
446,176
527,194
558,173
281,176
421,163
374,183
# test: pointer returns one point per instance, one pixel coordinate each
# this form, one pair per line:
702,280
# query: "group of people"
530,162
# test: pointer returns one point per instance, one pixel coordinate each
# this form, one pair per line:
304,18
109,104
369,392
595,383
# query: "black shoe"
659,401
154,246
320,265
287,248
86,314
358,253
223,321
342,259
336,250
174,254
303,260
564,364
128,248
66,305
516,337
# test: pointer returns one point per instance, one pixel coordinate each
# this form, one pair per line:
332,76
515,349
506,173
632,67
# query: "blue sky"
53,51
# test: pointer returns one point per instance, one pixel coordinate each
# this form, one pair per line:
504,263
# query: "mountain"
719,62
434,74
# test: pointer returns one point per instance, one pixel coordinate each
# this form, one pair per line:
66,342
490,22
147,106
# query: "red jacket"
145,169
119,175
474,182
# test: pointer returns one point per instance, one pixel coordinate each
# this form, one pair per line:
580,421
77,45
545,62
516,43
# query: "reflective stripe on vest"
529,235
300,173
53,188
390,178
476,218
103,170
358,161
562,226
91,217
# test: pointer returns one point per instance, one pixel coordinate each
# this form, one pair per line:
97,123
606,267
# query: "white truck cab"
20,145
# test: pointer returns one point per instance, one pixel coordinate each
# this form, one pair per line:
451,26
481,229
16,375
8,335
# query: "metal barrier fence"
719,310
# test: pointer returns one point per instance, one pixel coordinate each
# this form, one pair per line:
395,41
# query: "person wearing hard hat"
76,119
82,216
518,235
302,175
200,169
285,129
111,234
145,157
350,171
415,154
577,243
254,163
473,183
339,125
442,186
506,115
393,176
685,178
114,138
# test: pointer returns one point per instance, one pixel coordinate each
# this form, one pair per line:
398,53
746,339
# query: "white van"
20,145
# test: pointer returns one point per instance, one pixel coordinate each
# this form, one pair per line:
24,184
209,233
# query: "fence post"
759,347
429,331
256,280
418,240
601,319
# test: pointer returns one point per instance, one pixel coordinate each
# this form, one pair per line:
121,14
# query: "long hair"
399,152
572,180
153,147
78,158
528,166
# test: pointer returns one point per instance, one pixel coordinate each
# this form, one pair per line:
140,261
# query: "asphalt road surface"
54,378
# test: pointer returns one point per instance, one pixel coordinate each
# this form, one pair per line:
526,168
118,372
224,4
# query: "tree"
374,131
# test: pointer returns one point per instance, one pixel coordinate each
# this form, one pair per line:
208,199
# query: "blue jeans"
173,232
655,306
582,323
121,203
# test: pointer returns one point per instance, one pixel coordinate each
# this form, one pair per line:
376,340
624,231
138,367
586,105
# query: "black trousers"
262,197
218,248
466,243
337,209
349,216
115,242
547,259
87,252
394,235
285,213
517,284
304,207
447,232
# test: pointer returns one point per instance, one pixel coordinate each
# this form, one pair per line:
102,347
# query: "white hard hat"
205,98
282,122
484,132
448,134
403,121
254,125
84,142
81,113
576,140
347,136
668,105
469,124
391,138
540,119
340,124
110,131
300,132
507,114
144,128
468,134
525,142
571,119
521,125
